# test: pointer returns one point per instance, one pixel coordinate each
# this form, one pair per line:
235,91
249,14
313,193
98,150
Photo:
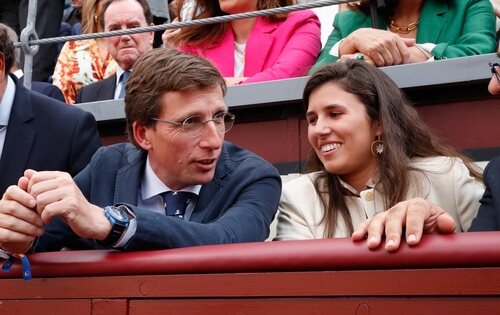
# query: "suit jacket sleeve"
245,203
55,92
78,99
472,35
488,217
300,52
85,141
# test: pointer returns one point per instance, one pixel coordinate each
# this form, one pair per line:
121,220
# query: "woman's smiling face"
341,132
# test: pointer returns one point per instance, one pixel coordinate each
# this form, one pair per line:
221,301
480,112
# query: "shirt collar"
119,72
7,101
18,73
152,186
369,185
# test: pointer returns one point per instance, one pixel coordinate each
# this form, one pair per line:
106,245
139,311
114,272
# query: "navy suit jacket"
238,205
98,91
488,216
45,134
46,89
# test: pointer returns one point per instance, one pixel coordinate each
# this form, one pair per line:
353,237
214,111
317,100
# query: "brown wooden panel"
358,306
45,307
282,137
275,141
465,125
411,282
109,307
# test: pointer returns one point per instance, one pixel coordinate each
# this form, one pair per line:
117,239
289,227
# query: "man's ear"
151,36
3,71
141,135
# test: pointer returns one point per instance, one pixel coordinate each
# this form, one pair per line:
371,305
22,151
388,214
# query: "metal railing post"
27,34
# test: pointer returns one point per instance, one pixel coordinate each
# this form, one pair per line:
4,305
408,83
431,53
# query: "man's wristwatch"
119,217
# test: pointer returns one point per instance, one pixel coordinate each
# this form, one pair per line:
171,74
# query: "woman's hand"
415,216
382,47
167,36
230,81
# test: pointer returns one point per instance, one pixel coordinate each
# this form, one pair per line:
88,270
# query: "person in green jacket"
411,31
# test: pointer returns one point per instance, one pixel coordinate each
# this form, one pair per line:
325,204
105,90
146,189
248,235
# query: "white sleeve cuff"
427,50
335,49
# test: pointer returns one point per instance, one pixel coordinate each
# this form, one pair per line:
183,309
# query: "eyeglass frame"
494,71
183,125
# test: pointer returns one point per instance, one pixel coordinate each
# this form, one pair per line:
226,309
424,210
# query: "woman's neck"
359,180
242,29
408,11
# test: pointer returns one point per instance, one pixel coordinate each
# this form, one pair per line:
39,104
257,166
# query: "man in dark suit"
488,217
125,49
39,132
123,199
40,87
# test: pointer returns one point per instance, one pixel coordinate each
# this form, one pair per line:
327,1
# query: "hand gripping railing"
464,250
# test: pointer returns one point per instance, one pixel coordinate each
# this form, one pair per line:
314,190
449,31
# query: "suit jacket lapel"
107,91
19,138
259,44
432,20
128,179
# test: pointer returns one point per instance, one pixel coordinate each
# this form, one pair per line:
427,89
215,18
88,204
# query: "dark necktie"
123,79
176,202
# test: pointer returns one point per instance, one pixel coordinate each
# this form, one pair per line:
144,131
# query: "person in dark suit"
125,49
123,198
488,216
39,132
41,87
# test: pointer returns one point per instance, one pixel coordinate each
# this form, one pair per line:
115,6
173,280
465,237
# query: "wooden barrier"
457,274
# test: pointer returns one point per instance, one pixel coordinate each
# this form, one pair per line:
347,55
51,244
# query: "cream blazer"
443,180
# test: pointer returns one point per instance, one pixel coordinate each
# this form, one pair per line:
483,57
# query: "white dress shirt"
5,109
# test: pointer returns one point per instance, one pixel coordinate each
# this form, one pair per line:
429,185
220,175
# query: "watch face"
118,214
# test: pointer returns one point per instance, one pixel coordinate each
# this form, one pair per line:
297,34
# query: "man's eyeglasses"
193,125
495,69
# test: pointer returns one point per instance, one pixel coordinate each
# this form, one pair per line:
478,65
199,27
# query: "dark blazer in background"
48,21
46,89
238,205
488,216
98,91
45,134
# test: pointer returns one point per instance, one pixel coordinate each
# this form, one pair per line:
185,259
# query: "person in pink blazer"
255,49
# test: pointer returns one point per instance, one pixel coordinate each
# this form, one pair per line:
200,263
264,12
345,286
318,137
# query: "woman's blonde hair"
90,18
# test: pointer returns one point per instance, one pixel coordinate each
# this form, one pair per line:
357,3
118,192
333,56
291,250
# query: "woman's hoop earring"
377,146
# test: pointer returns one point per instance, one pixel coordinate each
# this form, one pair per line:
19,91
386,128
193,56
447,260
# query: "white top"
5,109
239,59
444,181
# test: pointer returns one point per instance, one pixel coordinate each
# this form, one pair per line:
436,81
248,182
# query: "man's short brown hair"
159,71
7,50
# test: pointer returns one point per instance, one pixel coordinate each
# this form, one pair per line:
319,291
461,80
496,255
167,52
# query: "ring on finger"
359,56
